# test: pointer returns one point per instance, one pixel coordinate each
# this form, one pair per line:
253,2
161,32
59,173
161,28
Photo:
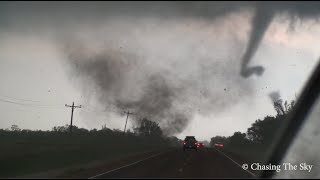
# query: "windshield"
114,89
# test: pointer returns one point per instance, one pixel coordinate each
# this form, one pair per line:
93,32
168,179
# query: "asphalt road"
205,163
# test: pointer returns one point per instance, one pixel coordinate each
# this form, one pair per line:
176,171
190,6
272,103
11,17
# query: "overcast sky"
177,64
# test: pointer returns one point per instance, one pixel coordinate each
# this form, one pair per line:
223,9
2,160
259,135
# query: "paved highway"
205,163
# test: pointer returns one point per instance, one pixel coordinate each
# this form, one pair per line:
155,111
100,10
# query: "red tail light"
221,145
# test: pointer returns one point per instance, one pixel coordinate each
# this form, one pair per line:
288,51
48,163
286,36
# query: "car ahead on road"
218,145
200,145
190,142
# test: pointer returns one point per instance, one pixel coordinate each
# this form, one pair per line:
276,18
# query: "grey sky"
199,58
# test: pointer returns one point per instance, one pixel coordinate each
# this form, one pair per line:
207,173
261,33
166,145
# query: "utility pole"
128,113
72,109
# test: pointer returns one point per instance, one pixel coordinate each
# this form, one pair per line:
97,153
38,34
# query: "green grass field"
252,154
27,155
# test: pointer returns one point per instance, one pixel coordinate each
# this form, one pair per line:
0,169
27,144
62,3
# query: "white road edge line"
129,164
236,163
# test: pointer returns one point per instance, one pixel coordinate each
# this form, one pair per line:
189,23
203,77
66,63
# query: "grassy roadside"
93,167
23,156
248,155
252,154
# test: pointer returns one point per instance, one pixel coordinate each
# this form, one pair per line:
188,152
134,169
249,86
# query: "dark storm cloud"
264,13
71,13
121,76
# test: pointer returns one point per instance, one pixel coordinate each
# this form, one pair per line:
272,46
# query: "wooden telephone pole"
72,109
128,113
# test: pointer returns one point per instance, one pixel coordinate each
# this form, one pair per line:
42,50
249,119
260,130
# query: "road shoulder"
93,168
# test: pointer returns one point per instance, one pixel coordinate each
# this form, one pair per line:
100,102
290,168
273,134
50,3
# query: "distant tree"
237,139
104,129
65,128
93,130
279,107
148,128
26,131
129,131
263,131
288,106
174,141
77,130
117,131
220,139
283,108
15,128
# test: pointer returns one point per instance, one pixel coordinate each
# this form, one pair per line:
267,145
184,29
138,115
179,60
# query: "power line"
10,101
29,105
26,100
54,107
2,100
103,111
19,99
36,110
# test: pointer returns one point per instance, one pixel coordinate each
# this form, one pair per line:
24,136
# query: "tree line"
146,130
261,133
